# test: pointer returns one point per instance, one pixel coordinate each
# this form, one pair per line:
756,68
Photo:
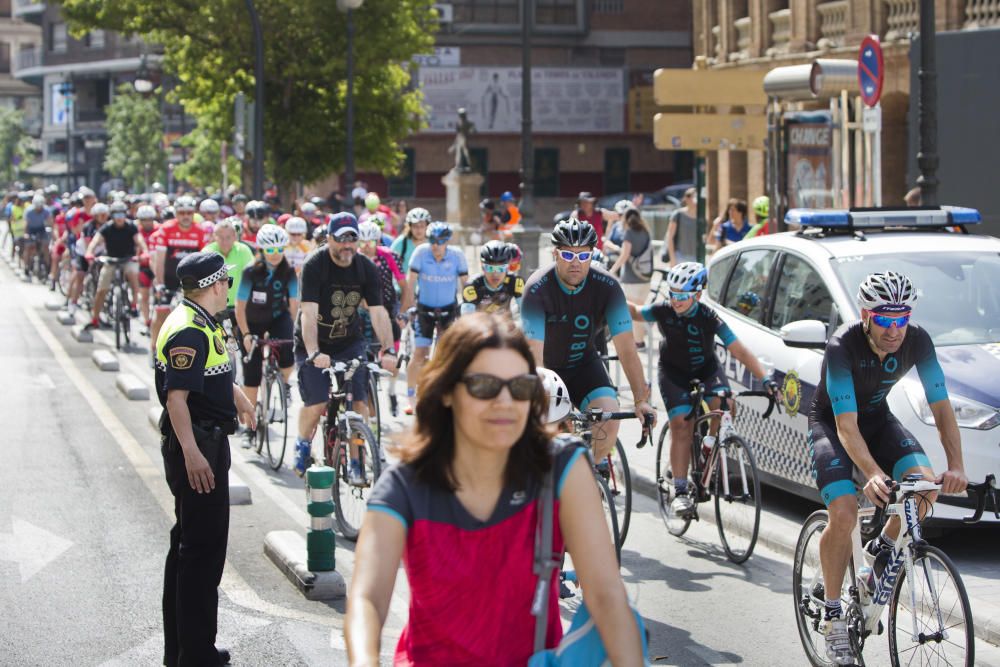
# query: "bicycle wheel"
610,516
263,427
736,488
374,409
620,485
64,277
351,500
119,315
934,606
665,490
277,415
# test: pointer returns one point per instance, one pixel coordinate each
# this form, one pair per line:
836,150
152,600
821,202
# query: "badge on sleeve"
469,294
220,347
181,358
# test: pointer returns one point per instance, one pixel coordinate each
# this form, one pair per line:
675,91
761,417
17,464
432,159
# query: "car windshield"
958,293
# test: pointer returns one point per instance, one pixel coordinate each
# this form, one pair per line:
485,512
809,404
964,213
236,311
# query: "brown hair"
740,205
430,447
634,221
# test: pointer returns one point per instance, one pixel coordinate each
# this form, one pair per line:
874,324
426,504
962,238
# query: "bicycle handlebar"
982,490
699,392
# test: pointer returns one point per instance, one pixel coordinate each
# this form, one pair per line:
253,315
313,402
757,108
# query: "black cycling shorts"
892,446
586,382
677,396
279,328
430,318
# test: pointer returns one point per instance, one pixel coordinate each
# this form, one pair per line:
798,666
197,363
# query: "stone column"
462,197
861,20
805,26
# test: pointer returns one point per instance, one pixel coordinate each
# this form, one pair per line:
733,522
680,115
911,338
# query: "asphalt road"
84,515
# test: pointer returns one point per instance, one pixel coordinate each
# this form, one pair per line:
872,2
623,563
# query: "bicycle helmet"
320,234
208,206
507,196
762,207
572,233
184,203
600,259
296,225
496,252
372,201
887,292
515,258
439,231
38,201
369,231
687,277
308,209
487,205
622,205
555,389
417,215
271,236
145,212
378,219
118,206
258,210
85,192
747,301
100,208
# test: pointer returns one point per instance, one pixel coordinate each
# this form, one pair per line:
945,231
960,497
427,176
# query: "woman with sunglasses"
267,301
687,353
461,509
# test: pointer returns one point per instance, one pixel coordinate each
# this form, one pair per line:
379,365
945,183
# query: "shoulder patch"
470,294
220,347
200,321
181,358
518,286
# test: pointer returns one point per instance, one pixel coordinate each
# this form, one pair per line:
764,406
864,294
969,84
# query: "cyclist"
495,289
120,238
335,283
238,256
515,260
761,210
298,245
37,222
434,279
414,234
82,234
267,302
389,275
145,216
563,310
319,236
687,352
257,213
850,426
209,210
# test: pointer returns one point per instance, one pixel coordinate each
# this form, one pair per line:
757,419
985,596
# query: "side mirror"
807,334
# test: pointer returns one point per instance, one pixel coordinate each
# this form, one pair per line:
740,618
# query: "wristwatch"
391,353
312,357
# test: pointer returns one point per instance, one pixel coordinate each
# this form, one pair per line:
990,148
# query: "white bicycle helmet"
208,206
417,215
100,208
145,212
623,205
886,292
296,225
687,277
184,203
372,201
369,231
555,389
38,201
271,236
308,209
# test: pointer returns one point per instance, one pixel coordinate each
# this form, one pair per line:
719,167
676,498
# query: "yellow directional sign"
709,132
709,87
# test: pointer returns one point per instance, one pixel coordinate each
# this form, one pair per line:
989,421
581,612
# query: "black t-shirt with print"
338,291
119,241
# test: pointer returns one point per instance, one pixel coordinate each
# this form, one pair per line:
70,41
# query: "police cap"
201,269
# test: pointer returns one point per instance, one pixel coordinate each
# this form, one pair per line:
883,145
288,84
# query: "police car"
802,285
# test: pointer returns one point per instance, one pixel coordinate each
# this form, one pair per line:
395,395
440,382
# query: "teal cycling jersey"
437,280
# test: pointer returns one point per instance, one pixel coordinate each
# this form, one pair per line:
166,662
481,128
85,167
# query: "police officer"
194,382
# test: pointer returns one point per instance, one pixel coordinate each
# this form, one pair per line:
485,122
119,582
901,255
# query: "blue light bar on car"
945,216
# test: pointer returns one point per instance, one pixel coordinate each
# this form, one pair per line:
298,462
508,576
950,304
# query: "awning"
46,168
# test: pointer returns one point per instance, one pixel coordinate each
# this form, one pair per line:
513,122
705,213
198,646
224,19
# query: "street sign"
871,119
871,70
709,132
709,87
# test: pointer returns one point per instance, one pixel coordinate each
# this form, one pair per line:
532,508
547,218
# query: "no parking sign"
871,70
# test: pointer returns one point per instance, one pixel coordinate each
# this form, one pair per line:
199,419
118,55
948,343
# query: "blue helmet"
439,231
687,277
507,196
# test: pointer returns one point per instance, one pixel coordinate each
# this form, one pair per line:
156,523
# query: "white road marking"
31,547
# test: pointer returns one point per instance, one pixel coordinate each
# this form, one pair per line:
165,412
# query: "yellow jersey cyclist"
496,289
687,353
850,426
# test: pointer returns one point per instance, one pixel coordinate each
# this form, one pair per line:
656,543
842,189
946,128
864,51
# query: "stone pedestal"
462,198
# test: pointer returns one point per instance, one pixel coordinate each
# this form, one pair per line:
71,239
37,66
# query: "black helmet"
496,252
572,233
487,204
258,210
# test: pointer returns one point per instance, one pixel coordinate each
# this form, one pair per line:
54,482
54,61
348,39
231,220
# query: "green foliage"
208,46
14,142
135,138
203,168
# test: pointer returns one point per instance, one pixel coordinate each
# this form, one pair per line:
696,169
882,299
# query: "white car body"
780,443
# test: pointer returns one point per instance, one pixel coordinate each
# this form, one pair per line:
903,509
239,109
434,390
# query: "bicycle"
272,400
931,624
39,268
117,304
375,371
726,473
345,431
613,472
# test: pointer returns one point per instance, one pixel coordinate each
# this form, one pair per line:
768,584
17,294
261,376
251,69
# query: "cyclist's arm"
141,243
159,265
743,354
855,445
293,297
409,289
620,327
382,325
626,252
671,234
533,324
94,242
310,326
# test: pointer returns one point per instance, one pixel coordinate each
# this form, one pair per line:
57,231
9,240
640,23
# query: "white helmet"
369,231
145,212
623,205
184,203
209,206
308,209
687,277
296,225
100,208
85,192
418,214
38,201
271,236
887,292
555,389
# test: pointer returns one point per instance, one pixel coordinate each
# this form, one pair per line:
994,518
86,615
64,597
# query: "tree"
203,168
135,139
208,46
15,144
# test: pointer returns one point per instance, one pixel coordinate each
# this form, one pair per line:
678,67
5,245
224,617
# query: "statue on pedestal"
460,147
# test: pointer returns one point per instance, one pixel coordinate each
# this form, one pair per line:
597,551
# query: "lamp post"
349,6
66,89
927,155
531,231
142,84
258,116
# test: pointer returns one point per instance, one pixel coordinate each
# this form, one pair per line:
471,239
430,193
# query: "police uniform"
191,354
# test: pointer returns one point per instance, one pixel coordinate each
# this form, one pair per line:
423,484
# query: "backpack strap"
545,563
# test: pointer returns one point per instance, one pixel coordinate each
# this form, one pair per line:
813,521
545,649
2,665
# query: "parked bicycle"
726,473
930,619
272,401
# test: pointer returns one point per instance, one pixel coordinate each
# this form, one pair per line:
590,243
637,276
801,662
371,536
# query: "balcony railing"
982,13
832,24
781,31
903,18
717,43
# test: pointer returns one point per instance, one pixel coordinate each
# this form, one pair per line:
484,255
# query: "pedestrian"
194,383
413,235
736,227
636,264
683,221
587,211
461,509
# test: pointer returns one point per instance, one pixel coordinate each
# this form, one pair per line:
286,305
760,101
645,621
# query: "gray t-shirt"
35,219
640,240
685,243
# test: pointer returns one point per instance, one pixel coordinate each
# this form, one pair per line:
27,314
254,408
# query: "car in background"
665,199
795,283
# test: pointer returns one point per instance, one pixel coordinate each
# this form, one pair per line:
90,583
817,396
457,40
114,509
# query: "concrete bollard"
65,318
106,360
132,387
82,334
320,541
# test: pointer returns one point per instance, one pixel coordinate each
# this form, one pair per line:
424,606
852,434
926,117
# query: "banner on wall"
810,157
564,100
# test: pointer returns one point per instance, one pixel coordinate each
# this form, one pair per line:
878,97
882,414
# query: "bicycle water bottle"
707,443
866,584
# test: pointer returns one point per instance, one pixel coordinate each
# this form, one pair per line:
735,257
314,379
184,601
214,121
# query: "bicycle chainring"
856,630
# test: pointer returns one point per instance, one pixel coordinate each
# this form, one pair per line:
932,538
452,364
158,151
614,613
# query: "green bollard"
320,541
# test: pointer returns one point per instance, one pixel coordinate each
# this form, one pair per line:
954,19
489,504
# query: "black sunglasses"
486,387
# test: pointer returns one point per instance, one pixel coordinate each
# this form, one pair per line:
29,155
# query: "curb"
106,360
287,550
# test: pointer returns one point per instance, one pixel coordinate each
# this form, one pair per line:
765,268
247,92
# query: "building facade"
17,35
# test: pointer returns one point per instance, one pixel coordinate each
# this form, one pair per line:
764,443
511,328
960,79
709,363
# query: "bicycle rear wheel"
941,616
610,516
665,490
351,500
277,415
119,314
736,488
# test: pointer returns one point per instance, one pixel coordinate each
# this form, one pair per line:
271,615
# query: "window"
95,39
616,171
404,183
747,293
556,12
57,37
480,159
717,275
546,172
801,295
4,58
609,6
487,11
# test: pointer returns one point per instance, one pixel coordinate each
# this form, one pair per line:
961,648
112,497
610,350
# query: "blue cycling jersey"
437,281
688,347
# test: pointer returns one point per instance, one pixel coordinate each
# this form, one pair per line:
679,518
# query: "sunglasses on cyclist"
569,255
346,238
439,242
272,251
682,296
495,268
886,321
486,387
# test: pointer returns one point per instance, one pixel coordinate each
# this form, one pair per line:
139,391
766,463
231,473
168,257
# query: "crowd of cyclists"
336,285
